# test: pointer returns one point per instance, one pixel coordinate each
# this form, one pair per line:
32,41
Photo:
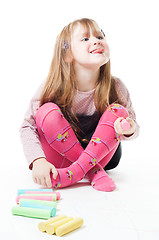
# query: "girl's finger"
54,172
48,182
43,182
35,180
39,181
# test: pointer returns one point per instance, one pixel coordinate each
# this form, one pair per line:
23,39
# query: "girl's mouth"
100,50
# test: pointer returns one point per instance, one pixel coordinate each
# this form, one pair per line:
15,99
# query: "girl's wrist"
38,159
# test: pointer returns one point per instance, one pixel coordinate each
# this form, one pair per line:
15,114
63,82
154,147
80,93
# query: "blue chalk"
22,191
33,205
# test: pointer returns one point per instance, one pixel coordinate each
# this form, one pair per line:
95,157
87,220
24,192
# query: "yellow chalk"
69,226
42,225
51,228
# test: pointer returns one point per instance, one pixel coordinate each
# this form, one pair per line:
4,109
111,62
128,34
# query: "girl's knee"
43,111
118,110
113,112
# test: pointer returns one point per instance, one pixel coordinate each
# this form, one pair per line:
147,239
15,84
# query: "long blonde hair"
61,80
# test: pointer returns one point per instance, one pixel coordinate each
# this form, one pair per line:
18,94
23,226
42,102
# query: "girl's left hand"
118,128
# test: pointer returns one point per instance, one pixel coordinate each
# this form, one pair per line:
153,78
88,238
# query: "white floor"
130,212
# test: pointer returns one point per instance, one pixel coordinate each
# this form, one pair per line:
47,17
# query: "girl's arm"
33,151
125,99
28,131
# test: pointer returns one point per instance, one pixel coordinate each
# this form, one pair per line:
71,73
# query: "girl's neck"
86,79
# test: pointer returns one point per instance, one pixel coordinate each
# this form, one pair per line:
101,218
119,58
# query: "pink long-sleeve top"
83,104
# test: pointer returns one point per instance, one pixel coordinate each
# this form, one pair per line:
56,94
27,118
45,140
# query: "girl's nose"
95,41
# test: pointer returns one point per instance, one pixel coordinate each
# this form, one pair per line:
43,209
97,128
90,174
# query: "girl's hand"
118,128
41,172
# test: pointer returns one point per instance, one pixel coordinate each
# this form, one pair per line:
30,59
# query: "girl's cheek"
107,49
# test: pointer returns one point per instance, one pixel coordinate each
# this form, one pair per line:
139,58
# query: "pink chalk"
125,124
43,192
36,197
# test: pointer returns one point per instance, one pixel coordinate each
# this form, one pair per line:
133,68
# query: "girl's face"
89,50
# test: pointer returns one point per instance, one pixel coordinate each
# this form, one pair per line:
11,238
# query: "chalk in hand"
125,124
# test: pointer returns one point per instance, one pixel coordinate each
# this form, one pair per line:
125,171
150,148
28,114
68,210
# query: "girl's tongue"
98,51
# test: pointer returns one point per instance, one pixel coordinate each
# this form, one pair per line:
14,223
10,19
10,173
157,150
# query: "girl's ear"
68,58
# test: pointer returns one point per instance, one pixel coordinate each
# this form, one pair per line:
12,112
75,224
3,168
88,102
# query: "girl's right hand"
41,172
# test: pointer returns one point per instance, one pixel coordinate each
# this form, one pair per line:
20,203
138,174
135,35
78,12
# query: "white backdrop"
28,29
28,32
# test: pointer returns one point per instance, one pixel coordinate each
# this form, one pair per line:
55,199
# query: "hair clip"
66,46
103,32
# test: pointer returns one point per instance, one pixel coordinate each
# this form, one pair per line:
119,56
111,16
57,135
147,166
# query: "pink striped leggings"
59,142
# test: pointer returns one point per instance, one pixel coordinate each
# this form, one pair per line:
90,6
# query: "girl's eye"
99,37
85,39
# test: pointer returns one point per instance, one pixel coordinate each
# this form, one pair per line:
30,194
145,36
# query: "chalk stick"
22,191
42,225
34,205
125,124
31,212
45,203
51,228
43,192
36,197
69,227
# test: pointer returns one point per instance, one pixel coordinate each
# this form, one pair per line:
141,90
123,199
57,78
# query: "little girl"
72,128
